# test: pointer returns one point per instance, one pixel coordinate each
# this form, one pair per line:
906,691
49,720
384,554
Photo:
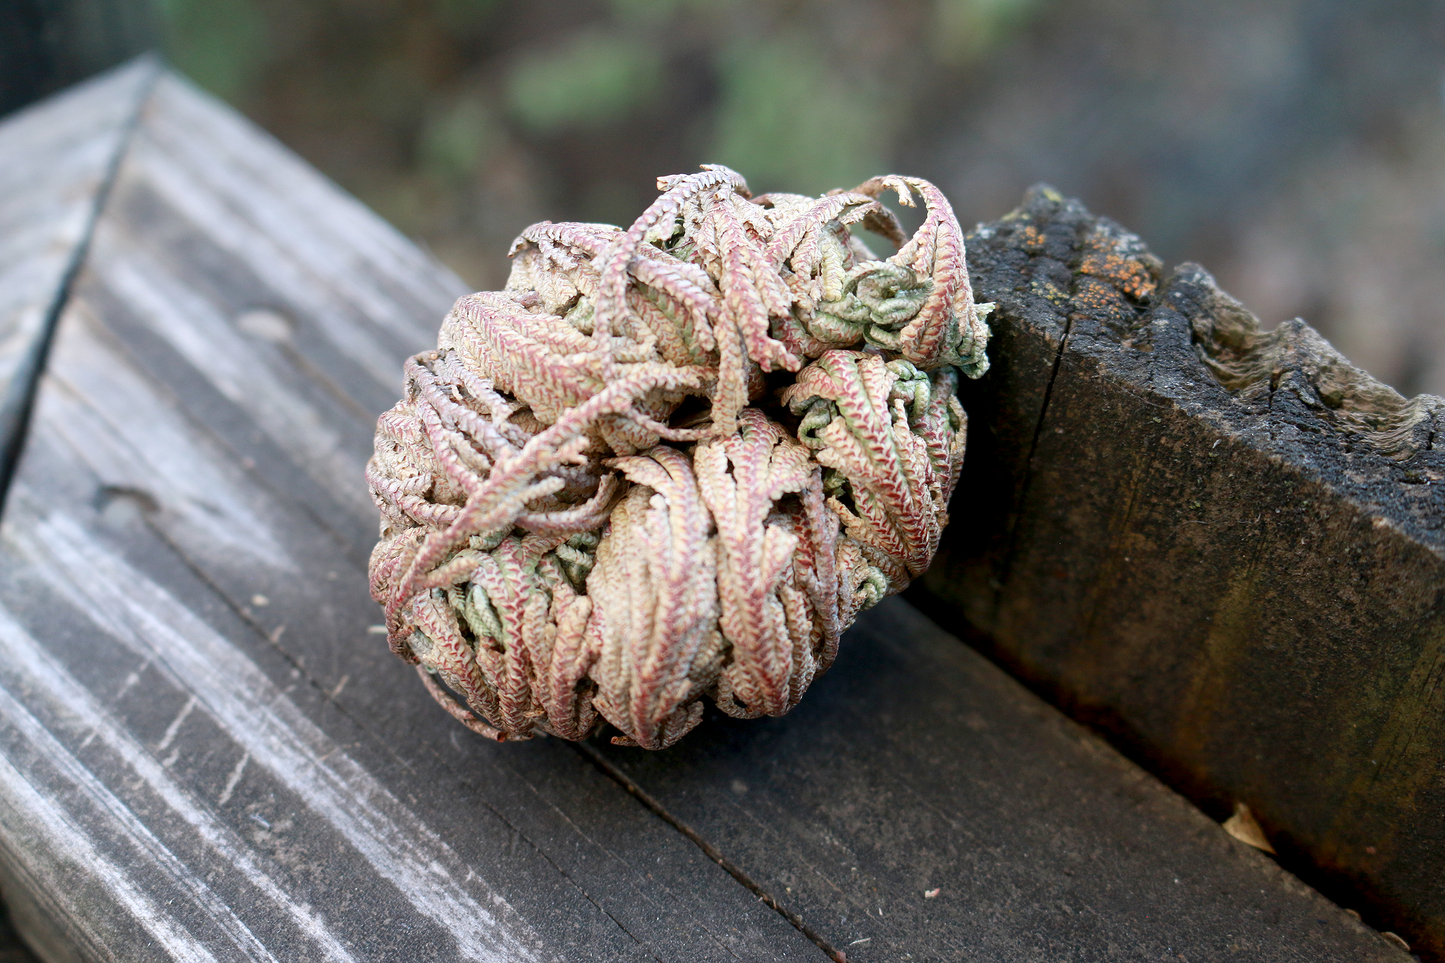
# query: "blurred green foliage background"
463,120
1295,147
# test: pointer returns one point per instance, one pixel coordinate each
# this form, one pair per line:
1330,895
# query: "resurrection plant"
674,461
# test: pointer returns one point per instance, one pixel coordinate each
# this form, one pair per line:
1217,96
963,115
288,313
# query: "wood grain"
916,766
1223,547
59,162
199,724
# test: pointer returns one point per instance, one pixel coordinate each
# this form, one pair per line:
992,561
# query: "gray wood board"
915,765
1222,547
206,756
58,161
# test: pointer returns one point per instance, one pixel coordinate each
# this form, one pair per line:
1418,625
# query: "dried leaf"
1245,828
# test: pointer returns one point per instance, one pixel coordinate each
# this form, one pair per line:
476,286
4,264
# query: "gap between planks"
19,405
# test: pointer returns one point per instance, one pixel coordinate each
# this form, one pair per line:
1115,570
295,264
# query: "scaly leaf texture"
672,462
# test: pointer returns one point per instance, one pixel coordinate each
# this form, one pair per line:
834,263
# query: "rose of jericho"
673,462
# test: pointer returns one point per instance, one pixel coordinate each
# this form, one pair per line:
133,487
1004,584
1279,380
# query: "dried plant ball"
673,462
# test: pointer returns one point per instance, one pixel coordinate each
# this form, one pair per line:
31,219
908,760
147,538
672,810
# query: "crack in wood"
712,852
19,398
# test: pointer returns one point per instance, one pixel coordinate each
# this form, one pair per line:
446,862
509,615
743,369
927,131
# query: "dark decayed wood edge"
189,528
1221,547
60,160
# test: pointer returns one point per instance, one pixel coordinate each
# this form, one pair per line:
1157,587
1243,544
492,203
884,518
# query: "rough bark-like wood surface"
1221,546
204,755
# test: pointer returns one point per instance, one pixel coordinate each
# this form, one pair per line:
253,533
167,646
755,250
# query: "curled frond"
597,510
948,328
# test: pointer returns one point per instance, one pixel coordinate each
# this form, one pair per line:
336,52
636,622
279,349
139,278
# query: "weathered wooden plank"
209,757
205,756
58,162
59,159
1223,548
916,767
